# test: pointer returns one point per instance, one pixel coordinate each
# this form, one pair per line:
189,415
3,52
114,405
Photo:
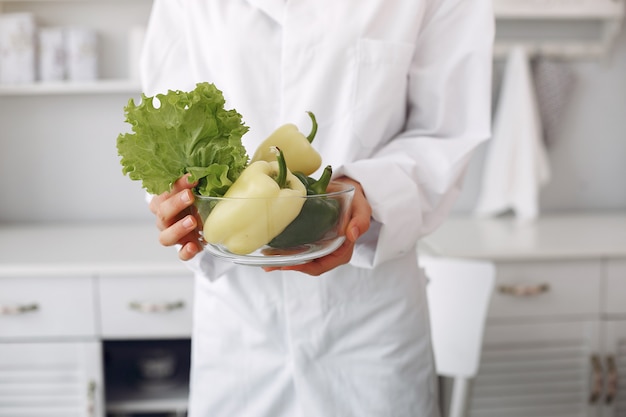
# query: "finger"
189,250
181,184
359,222
180,232
360,211
173,208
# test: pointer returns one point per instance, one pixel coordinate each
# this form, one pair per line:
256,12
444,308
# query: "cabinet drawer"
46,306
616,287
135,307
546,289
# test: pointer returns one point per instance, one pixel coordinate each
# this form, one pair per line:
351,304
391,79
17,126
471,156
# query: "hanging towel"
516,164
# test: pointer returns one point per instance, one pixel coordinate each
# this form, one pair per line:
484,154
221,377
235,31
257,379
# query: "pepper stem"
313,129
320,186
281,179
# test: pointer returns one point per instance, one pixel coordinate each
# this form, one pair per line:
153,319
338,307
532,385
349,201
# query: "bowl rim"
345,189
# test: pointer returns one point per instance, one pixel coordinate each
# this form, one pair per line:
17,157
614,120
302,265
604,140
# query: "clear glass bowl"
272,237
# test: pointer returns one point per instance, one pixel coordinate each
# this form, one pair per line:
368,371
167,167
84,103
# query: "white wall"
58,160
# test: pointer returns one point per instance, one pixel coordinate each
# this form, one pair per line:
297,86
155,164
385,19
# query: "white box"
17,48
82,54
52,54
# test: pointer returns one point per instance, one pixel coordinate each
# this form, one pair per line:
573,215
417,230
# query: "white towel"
516,164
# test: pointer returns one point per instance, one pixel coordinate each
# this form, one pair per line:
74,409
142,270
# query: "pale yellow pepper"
257,207
299,153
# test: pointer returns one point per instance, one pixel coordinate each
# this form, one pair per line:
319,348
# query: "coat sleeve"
448,116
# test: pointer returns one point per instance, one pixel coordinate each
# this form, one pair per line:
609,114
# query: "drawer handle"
17,310
91,398
596,390
524,290
611,380
147,307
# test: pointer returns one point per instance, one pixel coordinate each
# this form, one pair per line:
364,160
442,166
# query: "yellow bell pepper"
259,205
299,154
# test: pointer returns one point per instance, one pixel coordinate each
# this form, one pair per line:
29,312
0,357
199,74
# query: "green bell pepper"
317,217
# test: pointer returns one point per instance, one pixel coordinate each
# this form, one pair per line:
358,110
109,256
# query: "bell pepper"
257,207
299,153
317,217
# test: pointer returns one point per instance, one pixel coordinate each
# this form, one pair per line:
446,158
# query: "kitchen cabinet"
142,315
614,399
118,26
42,307
614,346
555,338
78,317
49,355
51,379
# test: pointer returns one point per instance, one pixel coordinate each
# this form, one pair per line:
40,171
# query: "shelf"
111,86
558,9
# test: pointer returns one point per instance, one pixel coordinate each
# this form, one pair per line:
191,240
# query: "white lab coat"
401,91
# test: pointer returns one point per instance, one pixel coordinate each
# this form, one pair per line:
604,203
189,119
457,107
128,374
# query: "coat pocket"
380,99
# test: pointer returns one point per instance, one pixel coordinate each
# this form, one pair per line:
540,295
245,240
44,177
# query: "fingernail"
355,233
185,197
188,223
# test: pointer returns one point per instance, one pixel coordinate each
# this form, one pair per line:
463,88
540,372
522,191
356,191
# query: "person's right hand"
175,218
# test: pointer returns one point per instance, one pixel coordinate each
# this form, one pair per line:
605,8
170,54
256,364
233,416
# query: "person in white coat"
401,91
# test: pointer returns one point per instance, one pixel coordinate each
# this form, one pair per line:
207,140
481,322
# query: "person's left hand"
359,223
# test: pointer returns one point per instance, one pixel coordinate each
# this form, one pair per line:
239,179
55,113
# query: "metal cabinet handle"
91,398
611,379
596,389
524,290
18,309
148,307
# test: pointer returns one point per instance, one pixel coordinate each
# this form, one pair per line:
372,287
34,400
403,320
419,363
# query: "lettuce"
187,132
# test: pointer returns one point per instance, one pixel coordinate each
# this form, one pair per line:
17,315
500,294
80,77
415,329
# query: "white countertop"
119,248
85,249
562,236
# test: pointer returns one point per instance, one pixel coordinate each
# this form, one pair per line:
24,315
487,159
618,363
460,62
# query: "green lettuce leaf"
187,132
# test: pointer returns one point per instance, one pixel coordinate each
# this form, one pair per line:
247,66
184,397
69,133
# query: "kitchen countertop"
118,248
550,237
85,249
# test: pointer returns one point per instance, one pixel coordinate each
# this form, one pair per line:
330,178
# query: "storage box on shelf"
117,25
555,340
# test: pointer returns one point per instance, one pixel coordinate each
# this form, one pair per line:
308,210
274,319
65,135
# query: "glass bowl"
275,231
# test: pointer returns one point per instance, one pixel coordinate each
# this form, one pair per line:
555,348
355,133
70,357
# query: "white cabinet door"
51,379
537,369
614,395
